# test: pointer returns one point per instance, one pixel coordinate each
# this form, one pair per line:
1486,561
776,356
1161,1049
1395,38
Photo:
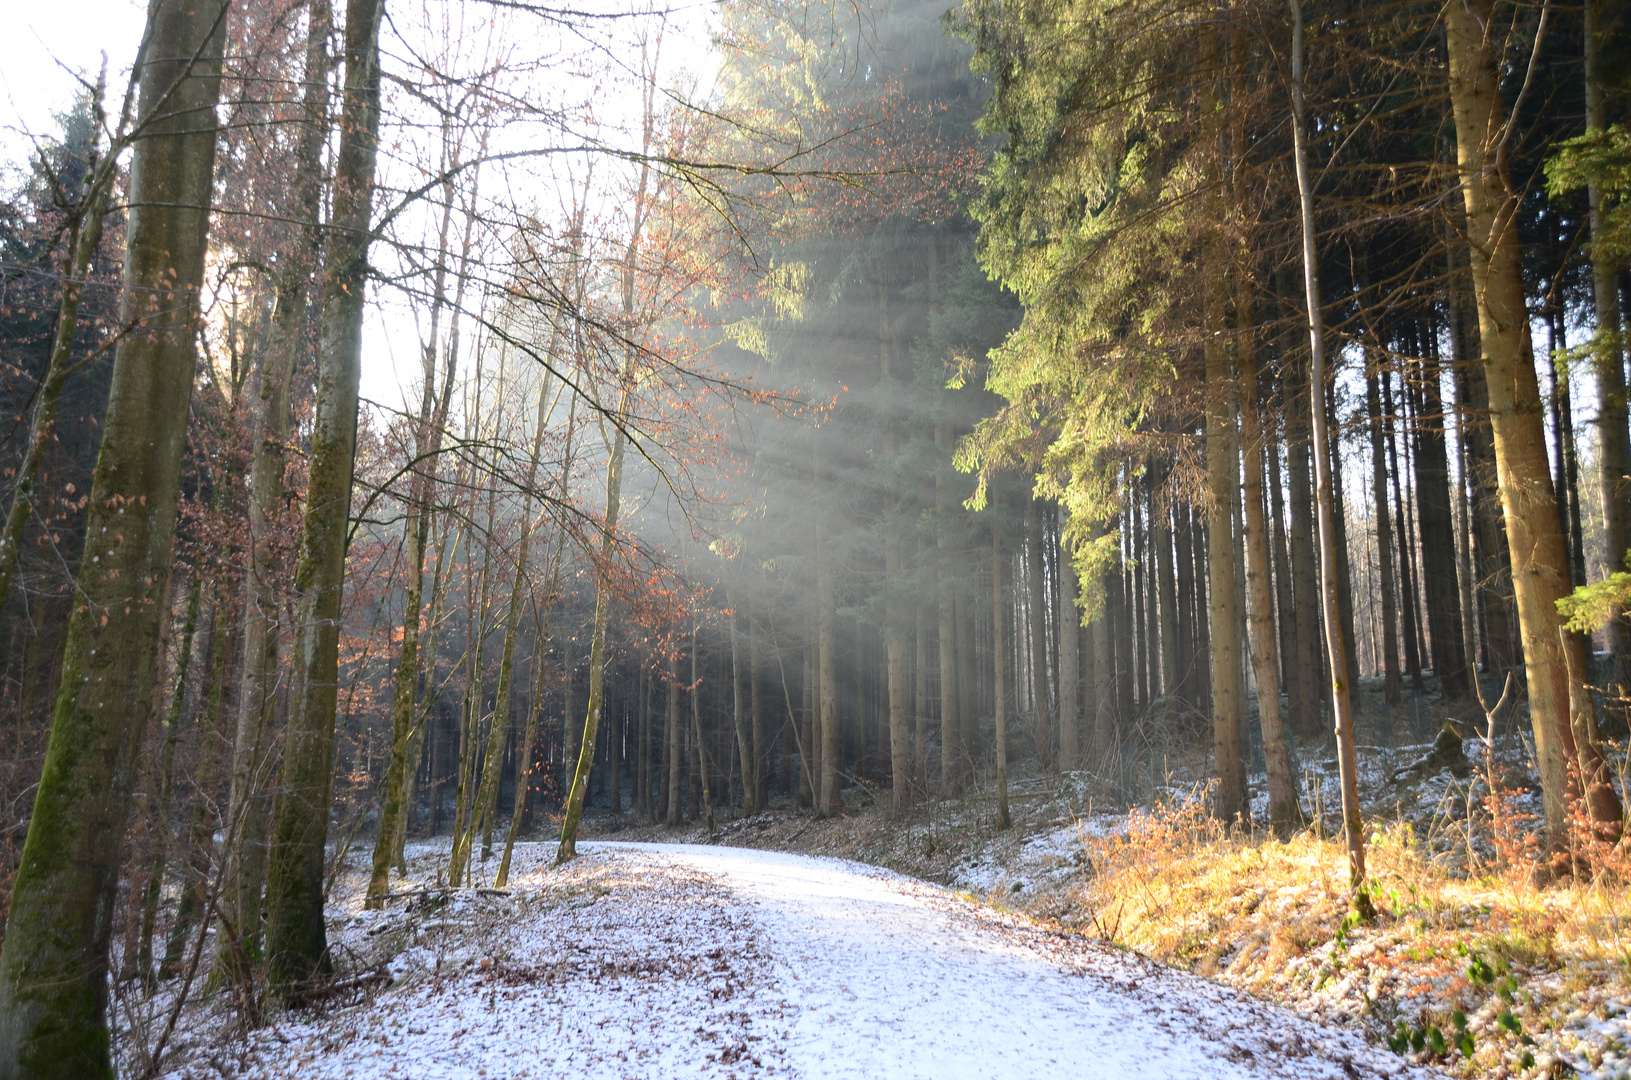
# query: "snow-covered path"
669,960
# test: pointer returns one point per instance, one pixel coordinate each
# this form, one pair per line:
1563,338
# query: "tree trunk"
920,702
499,734
253,759
1040,695
1608,362
53,970
1070,677
1393,686
999,681
739,714
1539,557
1353,826
1407,577
1230,801
827,660
1203,628
1438,533
597,645
296,940
673,784
642,769
1284,811
1167,603
704,796
967,670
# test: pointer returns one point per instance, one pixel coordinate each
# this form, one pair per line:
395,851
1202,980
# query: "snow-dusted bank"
645,960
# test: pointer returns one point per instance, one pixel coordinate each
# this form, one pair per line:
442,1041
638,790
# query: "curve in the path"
885,976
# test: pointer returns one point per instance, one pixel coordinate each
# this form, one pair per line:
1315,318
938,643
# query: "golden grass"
1517,962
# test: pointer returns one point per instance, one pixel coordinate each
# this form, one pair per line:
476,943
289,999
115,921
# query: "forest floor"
1469,966
1114,905
670,961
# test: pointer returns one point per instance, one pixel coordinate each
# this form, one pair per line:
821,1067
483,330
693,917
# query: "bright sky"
42,40
48,42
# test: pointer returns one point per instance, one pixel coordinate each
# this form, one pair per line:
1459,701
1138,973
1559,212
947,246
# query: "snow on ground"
649,960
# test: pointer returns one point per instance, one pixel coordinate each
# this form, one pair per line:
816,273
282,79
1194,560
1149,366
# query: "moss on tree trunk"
53,971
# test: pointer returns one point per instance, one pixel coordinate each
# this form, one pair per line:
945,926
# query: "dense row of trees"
1053,381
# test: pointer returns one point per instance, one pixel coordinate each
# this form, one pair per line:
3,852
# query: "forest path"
659,960
891,977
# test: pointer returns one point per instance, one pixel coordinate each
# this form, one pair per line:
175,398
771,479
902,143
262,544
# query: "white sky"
49,41
44,37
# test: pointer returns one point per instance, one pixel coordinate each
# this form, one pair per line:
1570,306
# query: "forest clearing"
498,497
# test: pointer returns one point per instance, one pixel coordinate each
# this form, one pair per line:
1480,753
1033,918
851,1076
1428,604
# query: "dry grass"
1484,975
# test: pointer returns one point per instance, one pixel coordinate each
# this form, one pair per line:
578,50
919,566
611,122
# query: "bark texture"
53,971
1540,570
296,940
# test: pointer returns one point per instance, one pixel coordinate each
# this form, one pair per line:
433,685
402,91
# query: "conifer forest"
1151,476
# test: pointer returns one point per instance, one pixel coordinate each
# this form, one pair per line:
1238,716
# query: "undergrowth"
1480,973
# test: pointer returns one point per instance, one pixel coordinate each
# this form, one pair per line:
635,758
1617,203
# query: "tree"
296,939
1559,704
1330,596
53,968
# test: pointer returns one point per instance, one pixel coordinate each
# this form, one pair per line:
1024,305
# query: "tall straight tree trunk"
1228,695
53,970
1167,603
166,801
1438,532
499,734
1150,641
296,940
1284,603
739,715
523,761
1284,811
579,790
807,723
1608,361
951,729
900,746
642,771
671,810
1231,800
761,749
1203,623
1186,622
1407,577
1490,538
1563,448
1353,825
827,660
1344,571
704,796
999,672
1393,685
1540,575
425,724
249,806
1070,677
1040,693
1308,668
967,670
920,703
